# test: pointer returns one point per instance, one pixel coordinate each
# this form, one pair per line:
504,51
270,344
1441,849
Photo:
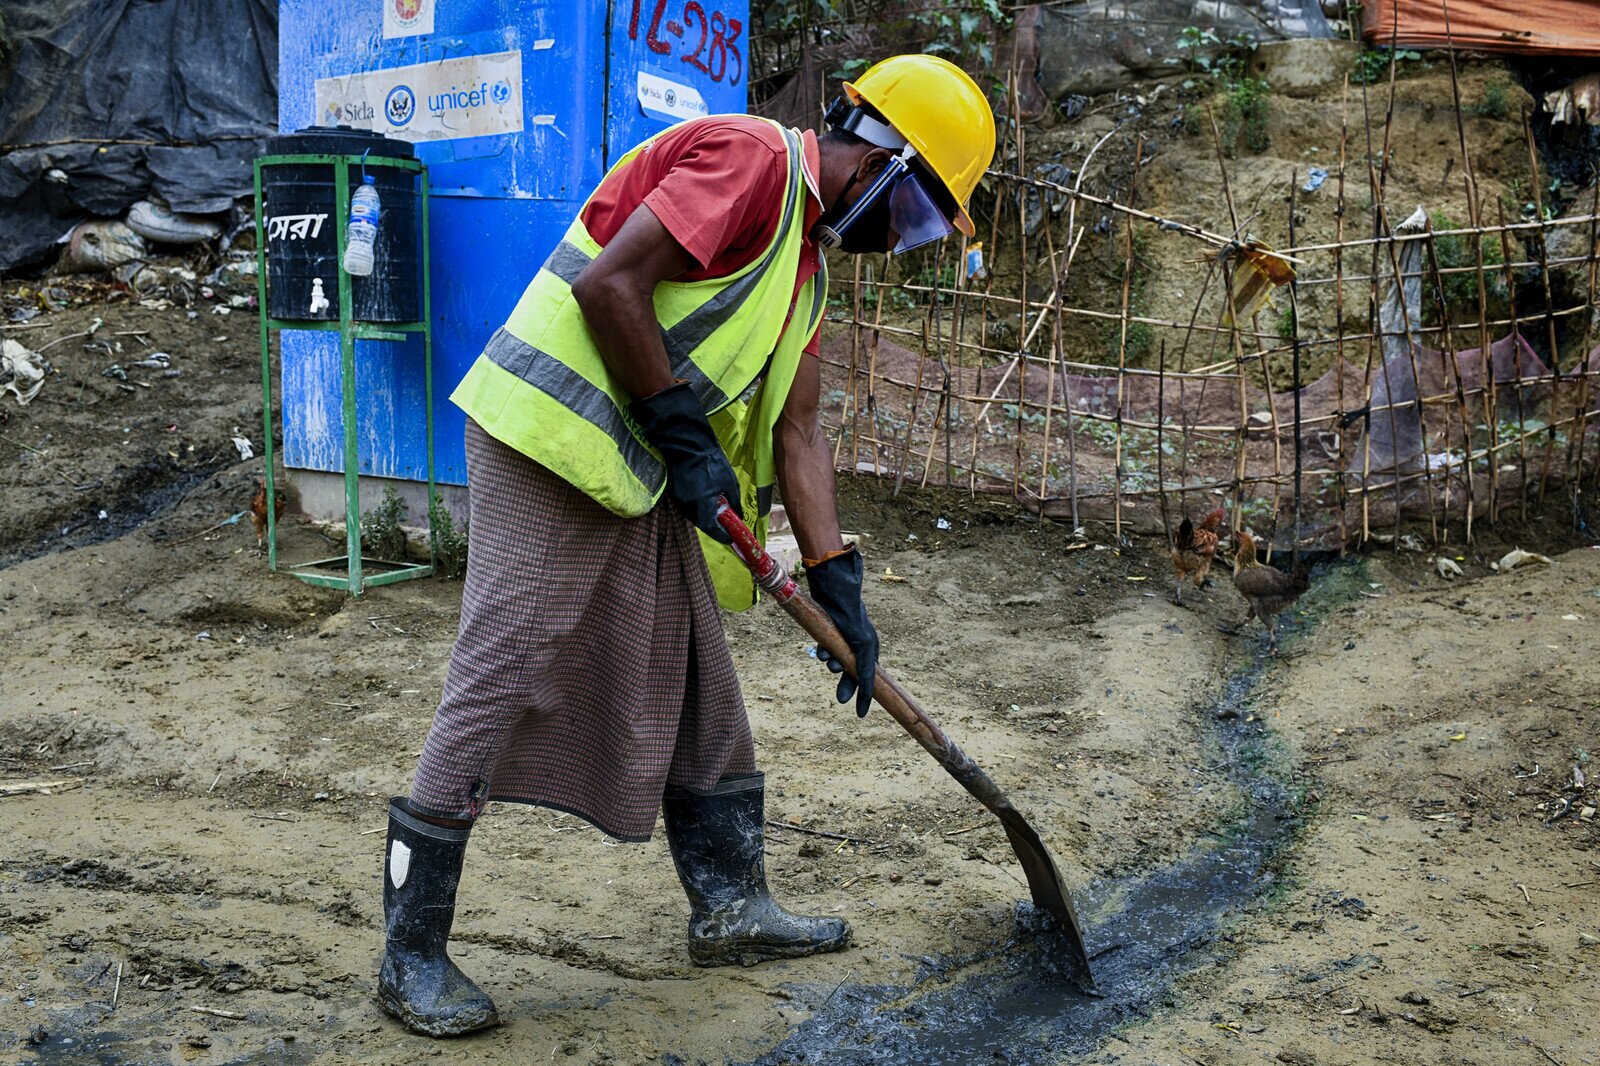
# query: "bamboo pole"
1055,346
855,381
1475,216
1453,369
1549,300
1299,430
872,384
1022,276
1521,391
1233,332
1122,338
1338,313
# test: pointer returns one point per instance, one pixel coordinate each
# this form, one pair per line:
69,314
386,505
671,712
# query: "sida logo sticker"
669,100
407,18
400,105
469,96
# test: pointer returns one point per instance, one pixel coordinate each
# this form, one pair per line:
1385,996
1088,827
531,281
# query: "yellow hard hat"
941,112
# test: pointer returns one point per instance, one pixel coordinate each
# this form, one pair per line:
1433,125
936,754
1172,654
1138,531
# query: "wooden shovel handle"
814,620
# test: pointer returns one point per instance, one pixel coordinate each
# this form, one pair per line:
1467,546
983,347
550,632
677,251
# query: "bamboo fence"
972,383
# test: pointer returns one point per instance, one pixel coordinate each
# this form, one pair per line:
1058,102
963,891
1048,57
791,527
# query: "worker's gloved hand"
698,474
835,583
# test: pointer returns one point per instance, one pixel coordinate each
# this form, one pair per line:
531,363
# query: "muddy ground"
228,739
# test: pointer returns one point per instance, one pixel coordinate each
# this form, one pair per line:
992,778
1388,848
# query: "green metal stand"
321,571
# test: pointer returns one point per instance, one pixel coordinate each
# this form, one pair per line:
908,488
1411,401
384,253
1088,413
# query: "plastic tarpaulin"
189,86
1102,45
1552,27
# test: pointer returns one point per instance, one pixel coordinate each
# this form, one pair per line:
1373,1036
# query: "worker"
663,359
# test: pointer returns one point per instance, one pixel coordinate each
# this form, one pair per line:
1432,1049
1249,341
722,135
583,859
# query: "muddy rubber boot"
718,842
418,983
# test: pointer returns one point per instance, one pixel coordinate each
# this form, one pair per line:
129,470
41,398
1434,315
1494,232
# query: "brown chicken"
1266,589
1194,550
258,512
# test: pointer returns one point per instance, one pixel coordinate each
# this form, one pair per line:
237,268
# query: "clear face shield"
914,213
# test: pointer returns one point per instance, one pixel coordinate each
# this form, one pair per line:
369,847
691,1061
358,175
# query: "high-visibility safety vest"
542,388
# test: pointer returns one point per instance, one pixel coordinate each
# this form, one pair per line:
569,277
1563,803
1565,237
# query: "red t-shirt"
717,185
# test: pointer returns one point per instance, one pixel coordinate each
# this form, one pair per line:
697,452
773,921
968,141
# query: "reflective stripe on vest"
541,386
575,392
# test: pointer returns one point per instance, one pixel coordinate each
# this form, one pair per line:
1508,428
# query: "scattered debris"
246,449
43,788
100,244
1517,557
155,221
1577,104
217,1013
1447,568
21,371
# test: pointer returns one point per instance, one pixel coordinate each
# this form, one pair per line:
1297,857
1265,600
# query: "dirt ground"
237,735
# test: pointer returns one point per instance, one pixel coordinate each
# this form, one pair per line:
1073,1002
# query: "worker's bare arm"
615,294
805,465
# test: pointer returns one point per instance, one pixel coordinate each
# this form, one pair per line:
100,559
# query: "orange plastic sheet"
1552,27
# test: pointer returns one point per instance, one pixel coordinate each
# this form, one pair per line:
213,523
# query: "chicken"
258,513
1266,589
1194,550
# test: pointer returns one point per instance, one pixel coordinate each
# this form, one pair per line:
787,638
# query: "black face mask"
868,233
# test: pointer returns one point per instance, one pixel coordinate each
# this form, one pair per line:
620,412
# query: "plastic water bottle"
363,229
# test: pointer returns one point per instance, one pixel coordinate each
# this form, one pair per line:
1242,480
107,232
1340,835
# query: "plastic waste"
359,252
21,371
155,221
100,244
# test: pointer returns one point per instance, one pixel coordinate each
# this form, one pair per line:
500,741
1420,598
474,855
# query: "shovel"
1044,882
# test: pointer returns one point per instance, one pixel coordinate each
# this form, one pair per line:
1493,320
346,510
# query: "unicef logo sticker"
400,105
500,92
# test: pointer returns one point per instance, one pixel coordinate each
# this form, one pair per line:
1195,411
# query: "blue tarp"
191,85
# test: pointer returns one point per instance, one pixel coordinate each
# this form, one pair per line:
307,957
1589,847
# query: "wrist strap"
810,563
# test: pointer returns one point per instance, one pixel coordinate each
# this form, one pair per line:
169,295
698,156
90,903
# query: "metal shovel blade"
1044,881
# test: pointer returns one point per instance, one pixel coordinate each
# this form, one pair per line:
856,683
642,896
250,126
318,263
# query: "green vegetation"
1461,289
1496,102
449,540
1285,325
963,32
1141,338
1191,41
380,527
1246,103
1373,64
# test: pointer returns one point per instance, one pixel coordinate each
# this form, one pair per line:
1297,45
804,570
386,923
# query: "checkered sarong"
591,670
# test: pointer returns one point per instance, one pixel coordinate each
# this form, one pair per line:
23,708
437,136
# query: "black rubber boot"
418,983
717,843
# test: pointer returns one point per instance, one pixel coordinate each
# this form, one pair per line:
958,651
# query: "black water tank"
299,213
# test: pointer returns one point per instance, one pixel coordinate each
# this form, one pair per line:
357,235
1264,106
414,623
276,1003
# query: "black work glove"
698,474
836,586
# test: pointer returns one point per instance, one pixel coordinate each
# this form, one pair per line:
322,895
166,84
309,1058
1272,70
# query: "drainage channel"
129,509
1143,932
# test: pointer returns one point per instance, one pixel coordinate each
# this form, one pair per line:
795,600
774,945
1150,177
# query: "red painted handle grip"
815,621
763,567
